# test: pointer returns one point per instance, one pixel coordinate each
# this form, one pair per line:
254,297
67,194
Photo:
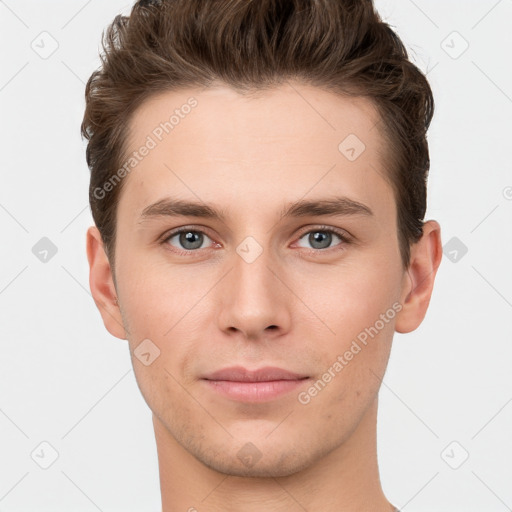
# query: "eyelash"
345,240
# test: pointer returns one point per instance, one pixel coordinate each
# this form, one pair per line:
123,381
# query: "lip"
261,385
266,374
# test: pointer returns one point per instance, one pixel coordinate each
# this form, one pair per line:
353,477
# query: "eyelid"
343,234
177,231
345,237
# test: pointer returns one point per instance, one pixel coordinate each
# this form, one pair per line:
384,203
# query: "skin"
211,309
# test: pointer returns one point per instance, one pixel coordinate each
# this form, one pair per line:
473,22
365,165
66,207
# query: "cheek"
352,372
352,300
161,388
165,308
359,306
155,297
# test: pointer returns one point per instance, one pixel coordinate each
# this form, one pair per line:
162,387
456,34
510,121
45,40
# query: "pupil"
320,237
188,238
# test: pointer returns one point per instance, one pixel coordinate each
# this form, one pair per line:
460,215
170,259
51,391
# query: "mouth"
262,385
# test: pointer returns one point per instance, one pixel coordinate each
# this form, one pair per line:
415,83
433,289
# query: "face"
289,260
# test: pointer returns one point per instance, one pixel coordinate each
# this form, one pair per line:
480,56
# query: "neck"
347,478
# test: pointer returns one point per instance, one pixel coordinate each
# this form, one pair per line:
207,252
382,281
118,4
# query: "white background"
66,381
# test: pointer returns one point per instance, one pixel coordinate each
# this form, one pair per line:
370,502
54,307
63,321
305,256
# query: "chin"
277,467
263,458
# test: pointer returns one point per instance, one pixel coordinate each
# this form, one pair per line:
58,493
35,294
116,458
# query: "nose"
253,300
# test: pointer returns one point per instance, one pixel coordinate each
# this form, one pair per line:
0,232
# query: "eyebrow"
336,206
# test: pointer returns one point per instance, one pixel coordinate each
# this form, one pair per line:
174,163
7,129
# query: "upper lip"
241,374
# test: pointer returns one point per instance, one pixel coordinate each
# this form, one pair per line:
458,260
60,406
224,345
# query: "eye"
187,239
321,238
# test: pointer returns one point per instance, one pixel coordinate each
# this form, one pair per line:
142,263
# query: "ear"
418,281
102,284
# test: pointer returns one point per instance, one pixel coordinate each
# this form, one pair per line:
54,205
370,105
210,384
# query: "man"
258,185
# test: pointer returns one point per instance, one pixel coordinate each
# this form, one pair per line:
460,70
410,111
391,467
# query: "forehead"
292,140
290,112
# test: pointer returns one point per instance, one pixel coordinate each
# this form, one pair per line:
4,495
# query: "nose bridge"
251,278
252,298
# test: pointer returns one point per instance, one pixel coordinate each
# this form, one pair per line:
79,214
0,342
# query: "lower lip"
254,391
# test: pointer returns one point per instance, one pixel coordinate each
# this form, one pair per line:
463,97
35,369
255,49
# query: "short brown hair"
341,46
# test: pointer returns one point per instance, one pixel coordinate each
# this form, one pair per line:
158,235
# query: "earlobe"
418,282
102,285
